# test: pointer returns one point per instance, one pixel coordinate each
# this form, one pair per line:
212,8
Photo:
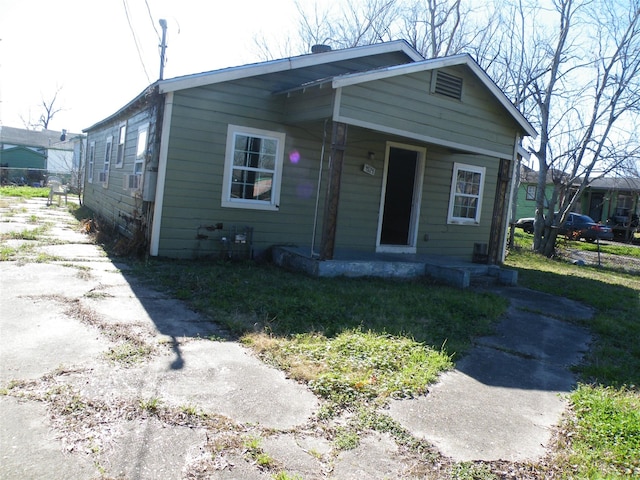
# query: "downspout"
154,243
315,215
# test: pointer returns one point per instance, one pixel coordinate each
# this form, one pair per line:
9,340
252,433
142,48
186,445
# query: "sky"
85,50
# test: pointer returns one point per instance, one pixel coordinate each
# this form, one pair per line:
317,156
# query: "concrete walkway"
504,398
74,408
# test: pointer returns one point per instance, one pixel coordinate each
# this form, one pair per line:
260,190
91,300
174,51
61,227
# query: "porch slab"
352,263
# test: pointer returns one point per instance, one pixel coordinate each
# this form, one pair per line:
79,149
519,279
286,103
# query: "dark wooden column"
330,218
500,207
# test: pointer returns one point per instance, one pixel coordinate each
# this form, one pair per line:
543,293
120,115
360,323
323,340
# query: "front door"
400,202
595,206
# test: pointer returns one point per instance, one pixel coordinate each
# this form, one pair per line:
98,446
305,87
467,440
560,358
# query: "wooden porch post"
500,205
330,218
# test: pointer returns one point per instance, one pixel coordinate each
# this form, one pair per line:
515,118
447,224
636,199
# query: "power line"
135,40
151,18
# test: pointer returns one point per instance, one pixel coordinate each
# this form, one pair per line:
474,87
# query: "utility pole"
163,45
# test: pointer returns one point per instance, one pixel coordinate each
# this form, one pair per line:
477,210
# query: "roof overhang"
275,66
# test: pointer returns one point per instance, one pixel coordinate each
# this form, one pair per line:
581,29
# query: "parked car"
582,226
525,224
577,226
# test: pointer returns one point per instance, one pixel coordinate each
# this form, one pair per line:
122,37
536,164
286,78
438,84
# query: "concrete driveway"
104,377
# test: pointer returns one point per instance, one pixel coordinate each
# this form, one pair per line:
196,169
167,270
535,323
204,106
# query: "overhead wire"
153,24
135,40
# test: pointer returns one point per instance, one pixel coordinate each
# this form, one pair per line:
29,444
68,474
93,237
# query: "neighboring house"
528,191
369,149
615,201
28,156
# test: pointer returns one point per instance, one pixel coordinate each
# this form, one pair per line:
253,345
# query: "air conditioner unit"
132,182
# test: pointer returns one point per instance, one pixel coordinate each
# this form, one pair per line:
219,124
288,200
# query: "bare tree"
584,95
437,28
49,110
349,24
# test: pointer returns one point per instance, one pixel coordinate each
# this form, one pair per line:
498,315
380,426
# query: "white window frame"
273,203
91,154
141,149
457,168
107,159
122,135
532,191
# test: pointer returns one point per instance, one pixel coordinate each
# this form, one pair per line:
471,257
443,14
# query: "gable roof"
435,64
291,63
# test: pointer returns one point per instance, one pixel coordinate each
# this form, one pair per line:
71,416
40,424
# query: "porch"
350,263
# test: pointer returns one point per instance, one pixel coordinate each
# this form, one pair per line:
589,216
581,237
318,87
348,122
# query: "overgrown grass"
608,419
355,365
24,192
351,340
604,440
246,297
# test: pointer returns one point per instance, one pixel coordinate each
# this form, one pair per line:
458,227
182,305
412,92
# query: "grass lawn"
349,339
24,192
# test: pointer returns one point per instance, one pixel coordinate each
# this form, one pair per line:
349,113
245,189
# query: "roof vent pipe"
320,48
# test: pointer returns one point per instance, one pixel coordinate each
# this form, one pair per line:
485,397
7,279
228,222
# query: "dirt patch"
616,262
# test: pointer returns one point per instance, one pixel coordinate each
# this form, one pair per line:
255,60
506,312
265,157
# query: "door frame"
415,204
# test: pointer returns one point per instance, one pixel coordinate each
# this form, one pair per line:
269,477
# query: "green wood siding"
405,103
195,167
114,203
360,199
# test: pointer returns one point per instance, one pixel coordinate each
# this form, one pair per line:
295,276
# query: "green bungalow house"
614,201
370,150
528,190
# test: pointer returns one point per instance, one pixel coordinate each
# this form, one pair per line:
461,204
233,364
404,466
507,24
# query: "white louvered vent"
448,85
131,182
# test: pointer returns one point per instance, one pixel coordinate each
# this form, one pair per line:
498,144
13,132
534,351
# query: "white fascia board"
422,138
274,66
434,64
524,153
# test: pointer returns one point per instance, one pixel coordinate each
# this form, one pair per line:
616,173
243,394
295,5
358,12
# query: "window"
465,201
253,168
141,150
122,133
104,175
91,154
531,192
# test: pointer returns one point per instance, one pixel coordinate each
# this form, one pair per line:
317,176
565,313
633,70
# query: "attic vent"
448,85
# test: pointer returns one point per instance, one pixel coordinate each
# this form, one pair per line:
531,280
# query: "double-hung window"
253,168
141,150
122,133
465,201
104,174
91,157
